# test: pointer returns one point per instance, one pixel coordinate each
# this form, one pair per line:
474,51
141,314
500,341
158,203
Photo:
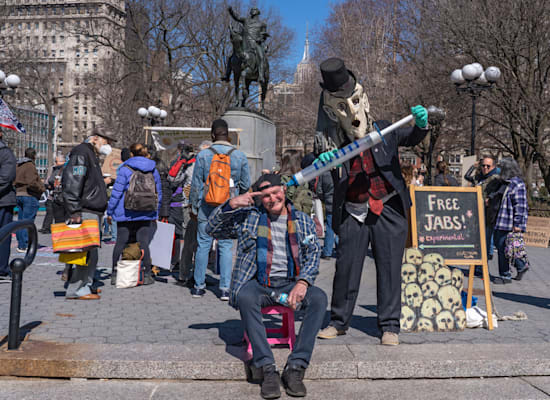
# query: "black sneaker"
225,295
520,274
293,380
271,384
148,280
499,280
197,292
113,278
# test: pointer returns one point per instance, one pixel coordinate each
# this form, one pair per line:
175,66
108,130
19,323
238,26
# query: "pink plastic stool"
287,330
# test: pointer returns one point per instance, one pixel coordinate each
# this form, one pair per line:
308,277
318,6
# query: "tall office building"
48,38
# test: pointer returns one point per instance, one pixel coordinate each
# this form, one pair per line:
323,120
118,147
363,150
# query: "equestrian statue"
248,61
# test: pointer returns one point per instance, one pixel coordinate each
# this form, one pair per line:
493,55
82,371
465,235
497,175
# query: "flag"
8,120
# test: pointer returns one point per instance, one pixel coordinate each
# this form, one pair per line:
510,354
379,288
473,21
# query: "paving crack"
534,386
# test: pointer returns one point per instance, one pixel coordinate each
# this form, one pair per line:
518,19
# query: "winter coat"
7,176
115,208
445,180
82,180
27,181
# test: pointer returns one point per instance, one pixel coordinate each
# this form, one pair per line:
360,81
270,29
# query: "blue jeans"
503,262
489,239
28,206
204,243
111,228
330,238
6,216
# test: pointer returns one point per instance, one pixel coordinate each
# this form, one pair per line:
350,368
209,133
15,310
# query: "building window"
53,55
45,53
77,67
77,82
94,67
61,83
77,53
75,112
95,52
85,110
84,124
61,53
85,67
53,39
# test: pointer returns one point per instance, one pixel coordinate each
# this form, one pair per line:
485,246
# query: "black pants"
253,296
142,232
387,234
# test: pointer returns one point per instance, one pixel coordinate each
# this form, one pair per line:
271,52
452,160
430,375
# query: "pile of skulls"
430,294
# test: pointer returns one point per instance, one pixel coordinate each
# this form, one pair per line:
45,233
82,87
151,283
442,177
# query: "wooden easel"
483,245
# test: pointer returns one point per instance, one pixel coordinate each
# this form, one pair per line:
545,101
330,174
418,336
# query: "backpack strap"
227,154
130,168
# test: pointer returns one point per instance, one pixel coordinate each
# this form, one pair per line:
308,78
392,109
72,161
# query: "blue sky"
295,14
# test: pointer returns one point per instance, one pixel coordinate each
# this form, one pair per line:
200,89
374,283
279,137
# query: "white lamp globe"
163,114
155,112
470,72
479,67
456,77
492,74
13,81
142,112
2,76
482,79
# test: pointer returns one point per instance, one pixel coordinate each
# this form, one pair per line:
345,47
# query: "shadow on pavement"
541,302
23,331
230,331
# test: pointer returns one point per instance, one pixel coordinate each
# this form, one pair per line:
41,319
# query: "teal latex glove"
420,116
327,157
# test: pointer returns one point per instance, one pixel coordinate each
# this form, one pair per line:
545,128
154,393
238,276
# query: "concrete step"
212,362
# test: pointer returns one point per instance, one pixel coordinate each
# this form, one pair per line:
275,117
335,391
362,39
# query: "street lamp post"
8,84
473,80
153,114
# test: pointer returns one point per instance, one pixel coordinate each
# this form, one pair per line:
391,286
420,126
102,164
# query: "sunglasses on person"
486,166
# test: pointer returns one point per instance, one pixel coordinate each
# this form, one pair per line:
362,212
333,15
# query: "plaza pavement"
162,322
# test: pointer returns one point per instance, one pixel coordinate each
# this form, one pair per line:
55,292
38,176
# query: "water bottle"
282,299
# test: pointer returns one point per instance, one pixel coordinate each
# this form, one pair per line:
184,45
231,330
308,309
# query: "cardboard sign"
449,221
538,232
111,163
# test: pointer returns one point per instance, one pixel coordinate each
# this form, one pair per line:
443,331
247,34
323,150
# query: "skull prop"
429,289
413,295
457,278
413,256
460,318
430,308
435,259
426,273
445,321
408,318
425,325
408,273
443,276
352,113
449,297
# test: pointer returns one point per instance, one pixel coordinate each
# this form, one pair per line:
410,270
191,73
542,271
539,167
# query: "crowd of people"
207,194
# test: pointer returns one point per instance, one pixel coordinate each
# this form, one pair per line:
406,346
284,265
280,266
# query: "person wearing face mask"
85,197
371,200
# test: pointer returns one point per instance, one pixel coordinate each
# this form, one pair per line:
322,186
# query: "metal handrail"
18,266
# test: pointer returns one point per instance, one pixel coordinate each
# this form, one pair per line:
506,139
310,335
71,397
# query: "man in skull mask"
370,202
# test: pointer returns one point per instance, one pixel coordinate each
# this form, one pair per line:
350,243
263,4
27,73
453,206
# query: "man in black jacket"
85,197
370,202
7,202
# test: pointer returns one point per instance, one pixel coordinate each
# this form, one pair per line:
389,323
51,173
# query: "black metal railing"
18,266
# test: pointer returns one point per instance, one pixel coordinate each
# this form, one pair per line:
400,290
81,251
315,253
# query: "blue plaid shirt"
513,208
242,224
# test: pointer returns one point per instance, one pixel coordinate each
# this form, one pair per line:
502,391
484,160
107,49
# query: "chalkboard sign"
449,221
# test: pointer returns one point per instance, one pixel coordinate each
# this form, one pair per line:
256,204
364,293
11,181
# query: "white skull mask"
430,308
429,289
460,318
449,297
435,259
413,256
408,273
425,325
413,295
445,321
426,273
351,112
407,319
457,278
443,276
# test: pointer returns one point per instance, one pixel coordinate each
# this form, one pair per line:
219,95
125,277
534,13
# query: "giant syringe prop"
345,153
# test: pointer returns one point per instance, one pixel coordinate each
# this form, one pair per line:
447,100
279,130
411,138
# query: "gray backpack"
142,191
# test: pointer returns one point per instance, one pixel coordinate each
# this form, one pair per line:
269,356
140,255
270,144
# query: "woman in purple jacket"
131,223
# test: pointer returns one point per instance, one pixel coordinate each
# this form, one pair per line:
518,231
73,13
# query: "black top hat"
337,79
104,133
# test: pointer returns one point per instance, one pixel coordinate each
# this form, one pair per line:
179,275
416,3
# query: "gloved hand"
420,116
327,157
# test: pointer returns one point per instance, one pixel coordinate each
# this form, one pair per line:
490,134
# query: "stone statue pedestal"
257,139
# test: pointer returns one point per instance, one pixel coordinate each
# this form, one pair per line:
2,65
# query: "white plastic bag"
476,317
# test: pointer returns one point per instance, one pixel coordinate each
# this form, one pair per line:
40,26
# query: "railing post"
17,267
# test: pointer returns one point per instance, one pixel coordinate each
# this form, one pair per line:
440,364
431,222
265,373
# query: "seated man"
279,252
